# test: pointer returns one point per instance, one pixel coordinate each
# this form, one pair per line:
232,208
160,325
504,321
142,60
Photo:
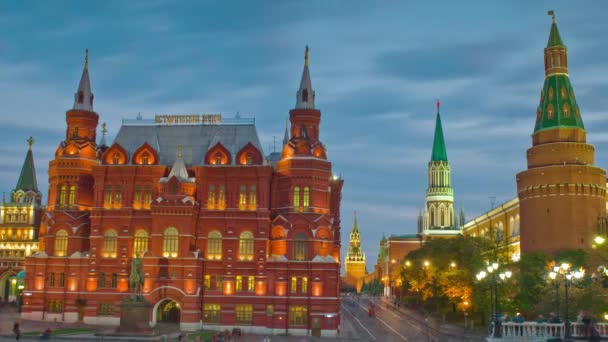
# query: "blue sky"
377,68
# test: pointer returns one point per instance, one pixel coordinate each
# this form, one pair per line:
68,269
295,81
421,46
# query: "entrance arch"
167,311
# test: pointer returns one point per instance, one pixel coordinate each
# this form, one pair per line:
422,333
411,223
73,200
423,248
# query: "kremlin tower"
561,194
354,263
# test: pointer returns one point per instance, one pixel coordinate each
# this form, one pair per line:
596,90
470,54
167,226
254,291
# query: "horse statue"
136,278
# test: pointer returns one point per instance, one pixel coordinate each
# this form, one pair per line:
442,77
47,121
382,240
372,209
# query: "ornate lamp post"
565,273
494,276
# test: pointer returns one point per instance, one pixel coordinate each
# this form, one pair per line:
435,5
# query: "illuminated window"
106,309
432,217
300,250
52,279
243,197
566,110
207,282
137,197
101,280
221,198
211,197
62,196
170,243
219,283
118,196
250,283
72,196
442,217
110,244
298,315
61,279
253,198
61,243
248,159
306,197
114,283
244,313
239,283
246,246
54,306
211,313
304,284
140,243
115,158
294,285
214,246
147,196
107,202
145,157
218,159
296,198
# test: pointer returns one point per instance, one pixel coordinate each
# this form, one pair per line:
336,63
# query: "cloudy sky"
377,68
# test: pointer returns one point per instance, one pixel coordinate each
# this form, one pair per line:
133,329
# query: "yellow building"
19,223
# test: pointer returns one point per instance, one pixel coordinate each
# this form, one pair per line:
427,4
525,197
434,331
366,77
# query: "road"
390,324
386,325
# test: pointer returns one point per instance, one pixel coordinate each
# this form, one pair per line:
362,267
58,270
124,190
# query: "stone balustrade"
541,331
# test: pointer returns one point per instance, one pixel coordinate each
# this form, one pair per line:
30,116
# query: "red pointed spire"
438,105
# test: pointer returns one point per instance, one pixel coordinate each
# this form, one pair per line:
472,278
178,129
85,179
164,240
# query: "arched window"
512,226
517,232
140,243
80,96
246,246
432,216
115,158
253,197
62,195
304,95
296,198
107,202
170,243
243,197
300,247
72,196
221,197
118,196
214,246
306,200
442,217
61,243
145,157
110,244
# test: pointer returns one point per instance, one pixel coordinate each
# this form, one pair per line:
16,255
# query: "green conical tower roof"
557,107
439,151
383,240
554,38
27,179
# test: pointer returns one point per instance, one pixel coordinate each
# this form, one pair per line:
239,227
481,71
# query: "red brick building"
228,236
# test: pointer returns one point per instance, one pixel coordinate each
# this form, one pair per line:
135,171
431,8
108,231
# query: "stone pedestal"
135,317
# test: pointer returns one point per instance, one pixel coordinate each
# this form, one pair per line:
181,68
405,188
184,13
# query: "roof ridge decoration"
558,107
83,99
305,97
27,178
439,150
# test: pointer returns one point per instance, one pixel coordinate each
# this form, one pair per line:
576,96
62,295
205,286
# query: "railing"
533,330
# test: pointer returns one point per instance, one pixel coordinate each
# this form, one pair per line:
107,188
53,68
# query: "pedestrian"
180,337
541,319
17,331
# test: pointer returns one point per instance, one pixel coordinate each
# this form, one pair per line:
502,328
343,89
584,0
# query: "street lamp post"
492,271
568,276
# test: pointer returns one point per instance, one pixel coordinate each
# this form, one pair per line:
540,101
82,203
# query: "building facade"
20,218
227,237
354,262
